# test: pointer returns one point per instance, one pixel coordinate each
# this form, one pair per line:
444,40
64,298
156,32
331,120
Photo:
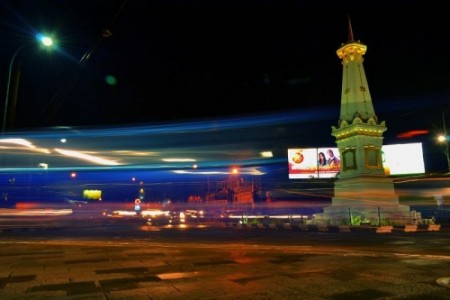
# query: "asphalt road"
90,260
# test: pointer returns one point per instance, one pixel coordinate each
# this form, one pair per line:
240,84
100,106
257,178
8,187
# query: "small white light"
47,41
43,165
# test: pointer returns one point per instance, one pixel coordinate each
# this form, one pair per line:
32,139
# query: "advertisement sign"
92,194
313,162
402,159
398,159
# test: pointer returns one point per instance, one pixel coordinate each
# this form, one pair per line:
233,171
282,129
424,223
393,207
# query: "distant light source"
412,133
267,154
43,166
110,79
87,157
47,41
178,160
443,138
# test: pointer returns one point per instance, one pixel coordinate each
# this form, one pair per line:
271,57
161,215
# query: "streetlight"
443,138
47,42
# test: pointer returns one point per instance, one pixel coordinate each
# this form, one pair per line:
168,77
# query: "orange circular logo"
297,157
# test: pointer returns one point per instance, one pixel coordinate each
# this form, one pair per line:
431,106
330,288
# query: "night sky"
150,61
156,62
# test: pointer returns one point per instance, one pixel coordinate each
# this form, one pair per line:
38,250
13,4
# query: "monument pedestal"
366,199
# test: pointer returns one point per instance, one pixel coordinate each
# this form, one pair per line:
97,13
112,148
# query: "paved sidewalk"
223,263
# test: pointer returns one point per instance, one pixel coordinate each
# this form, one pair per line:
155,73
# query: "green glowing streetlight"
44,40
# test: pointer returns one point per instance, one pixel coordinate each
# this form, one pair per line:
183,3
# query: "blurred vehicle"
157,216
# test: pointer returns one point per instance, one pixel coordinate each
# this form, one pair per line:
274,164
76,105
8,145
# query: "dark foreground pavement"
142,262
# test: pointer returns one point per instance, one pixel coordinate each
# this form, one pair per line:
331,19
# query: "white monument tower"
362,188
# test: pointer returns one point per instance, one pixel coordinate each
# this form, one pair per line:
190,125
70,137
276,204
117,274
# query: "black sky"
180,60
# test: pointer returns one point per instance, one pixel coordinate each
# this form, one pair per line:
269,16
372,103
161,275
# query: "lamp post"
443,138
47,42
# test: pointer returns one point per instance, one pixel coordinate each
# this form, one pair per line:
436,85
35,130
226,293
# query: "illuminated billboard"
313,162
402,159
92,194
398,159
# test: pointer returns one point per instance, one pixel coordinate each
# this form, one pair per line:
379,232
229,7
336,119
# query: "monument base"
370,190
359,214
366,200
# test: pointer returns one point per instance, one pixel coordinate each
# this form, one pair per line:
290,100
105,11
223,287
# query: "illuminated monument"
362,189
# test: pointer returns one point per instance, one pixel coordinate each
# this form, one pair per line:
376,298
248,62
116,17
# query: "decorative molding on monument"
358,128
360,119
352,49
